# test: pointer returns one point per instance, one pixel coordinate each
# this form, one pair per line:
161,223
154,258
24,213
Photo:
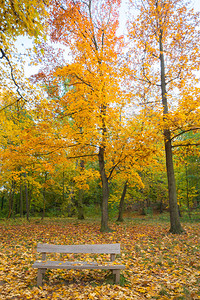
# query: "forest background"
109,129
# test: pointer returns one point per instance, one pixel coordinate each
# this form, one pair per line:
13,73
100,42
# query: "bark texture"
173,206
121,203
105,192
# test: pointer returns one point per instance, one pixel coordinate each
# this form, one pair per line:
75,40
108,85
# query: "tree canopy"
88,129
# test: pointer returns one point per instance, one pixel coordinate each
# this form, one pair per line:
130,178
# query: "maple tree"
18,18
20,144
89,30
138,149
80,124
165,36
187,162
21,17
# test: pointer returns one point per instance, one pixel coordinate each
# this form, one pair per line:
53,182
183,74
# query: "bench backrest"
94,248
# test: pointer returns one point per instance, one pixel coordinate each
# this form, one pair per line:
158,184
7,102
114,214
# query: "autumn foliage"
109,120
158,265
108,125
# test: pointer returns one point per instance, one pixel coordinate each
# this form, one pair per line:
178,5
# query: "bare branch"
184,131
13,79
186,145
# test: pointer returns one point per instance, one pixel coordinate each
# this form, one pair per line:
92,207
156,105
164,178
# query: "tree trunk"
121,203
63,186
187,191
26,196
21,199
11,199
161,206
2,202
44,197
80,205
173,206
80,198
105,192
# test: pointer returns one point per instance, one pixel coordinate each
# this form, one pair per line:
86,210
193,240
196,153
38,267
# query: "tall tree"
166,43
17,18
88,29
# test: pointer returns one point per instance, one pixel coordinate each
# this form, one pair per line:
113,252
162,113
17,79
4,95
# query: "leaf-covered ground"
158,265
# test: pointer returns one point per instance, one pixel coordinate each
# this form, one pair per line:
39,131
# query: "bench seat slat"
75,265
94,248
39,262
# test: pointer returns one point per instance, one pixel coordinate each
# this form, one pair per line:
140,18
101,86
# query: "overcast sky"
24,43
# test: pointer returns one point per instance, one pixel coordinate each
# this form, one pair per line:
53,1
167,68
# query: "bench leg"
40,276
116,274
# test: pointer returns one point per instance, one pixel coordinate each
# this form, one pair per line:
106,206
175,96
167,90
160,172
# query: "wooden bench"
111,249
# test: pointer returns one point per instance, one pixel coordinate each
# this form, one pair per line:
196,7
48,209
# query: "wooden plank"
112,257
75,266
42,263
39,277
43,255
94,248
116,274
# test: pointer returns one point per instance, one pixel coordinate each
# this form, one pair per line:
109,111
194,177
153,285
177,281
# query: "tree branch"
184,131
186,145
3,55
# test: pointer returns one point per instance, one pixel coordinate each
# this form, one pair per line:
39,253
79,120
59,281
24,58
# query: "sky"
23,42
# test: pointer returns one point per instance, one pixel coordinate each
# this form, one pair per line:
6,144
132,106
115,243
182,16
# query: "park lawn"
159,265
